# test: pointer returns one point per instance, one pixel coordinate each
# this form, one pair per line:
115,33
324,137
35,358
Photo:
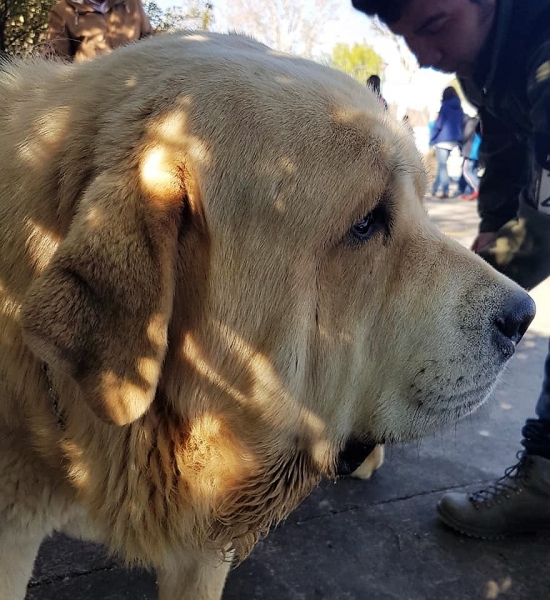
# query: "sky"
351,26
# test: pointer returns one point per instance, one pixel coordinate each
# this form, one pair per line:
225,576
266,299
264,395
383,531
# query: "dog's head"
252,255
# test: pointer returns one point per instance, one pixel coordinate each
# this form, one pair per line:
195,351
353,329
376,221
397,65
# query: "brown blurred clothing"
79,31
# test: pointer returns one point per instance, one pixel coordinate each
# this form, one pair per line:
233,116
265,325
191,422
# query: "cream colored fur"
373,462
176,230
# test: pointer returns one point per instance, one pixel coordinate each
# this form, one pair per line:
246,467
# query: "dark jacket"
76,31
511,88
448,127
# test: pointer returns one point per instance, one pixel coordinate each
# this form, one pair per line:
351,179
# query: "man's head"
449,93
447,35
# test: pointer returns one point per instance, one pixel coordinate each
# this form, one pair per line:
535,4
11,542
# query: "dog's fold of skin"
221,255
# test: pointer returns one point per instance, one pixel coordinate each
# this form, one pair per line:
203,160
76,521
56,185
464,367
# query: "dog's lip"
465,401
506,346
479,390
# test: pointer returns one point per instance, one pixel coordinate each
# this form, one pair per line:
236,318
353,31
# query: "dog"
216,275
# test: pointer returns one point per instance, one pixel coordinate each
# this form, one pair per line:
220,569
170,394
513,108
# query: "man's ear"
101,308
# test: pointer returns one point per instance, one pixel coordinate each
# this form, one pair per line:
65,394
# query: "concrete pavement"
376,540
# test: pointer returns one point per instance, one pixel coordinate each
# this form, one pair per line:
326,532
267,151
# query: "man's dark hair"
449,92
388,11
374,83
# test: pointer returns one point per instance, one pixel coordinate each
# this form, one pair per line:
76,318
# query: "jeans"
464,187
536,432
442,175
469,170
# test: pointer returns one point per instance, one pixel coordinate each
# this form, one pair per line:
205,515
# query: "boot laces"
509,482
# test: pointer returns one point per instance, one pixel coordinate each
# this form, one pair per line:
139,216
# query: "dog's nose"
514,321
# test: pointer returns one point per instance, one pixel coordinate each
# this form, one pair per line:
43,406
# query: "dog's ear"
101,308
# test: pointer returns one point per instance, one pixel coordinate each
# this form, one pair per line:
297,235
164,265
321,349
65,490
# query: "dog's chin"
438,416
352,455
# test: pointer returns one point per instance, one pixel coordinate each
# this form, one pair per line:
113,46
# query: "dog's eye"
365,228
378,220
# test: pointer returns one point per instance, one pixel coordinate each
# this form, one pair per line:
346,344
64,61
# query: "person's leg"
442,179
536,432
464,189
470,175
436,182
518,502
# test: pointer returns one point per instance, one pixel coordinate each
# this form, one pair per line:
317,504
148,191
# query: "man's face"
446,34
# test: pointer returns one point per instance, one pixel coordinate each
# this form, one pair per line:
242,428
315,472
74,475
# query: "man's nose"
426,54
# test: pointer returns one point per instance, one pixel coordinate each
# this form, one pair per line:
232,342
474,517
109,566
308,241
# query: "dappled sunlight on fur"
212,281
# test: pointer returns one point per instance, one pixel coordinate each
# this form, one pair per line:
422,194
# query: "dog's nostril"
517,317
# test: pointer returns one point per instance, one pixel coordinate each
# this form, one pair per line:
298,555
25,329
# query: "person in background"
79,30
407,122
471,141
446,135
373,82
500,49
464,188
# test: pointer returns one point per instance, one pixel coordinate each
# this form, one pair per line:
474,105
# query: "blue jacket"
448,127
474,154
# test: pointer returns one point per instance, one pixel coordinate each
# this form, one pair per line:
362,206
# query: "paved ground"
377,540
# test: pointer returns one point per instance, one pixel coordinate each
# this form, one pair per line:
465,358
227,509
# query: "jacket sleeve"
505,158
539,96
58,41
438,125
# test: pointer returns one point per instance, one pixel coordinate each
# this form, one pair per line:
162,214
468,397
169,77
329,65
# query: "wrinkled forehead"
296,142
371,156
358,150
325,164
370,149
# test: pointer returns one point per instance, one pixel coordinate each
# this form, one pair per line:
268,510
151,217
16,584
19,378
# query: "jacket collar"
491,54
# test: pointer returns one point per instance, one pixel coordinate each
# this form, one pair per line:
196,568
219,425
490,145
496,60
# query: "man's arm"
522,250
539,96
436,128
505,157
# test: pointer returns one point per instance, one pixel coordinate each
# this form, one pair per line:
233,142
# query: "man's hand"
483,240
